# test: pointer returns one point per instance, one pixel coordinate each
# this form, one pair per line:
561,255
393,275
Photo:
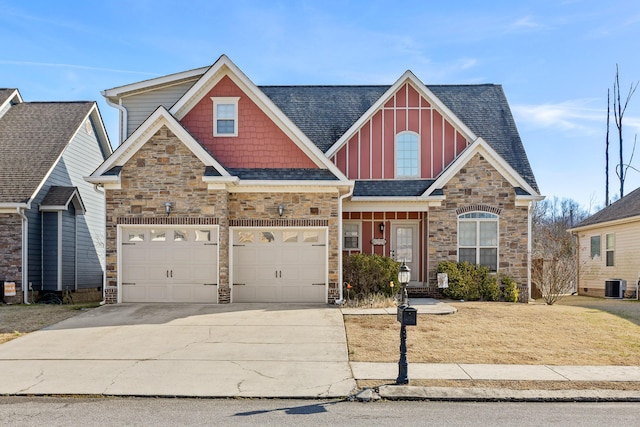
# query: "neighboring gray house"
609,249
52,225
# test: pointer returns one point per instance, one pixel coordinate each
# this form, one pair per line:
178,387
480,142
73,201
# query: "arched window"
478,239
407,155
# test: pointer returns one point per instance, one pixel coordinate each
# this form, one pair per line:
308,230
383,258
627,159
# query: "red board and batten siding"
370,152
260,142
371,230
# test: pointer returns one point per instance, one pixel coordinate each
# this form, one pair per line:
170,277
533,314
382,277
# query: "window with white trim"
351,232
407,155
225,116
478,239
595,246
611,245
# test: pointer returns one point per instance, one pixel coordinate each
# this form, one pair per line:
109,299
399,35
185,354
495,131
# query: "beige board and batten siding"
592,273
140,105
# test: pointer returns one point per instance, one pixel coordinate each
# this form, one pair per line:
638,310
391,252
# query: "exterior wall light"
381,227
280,210
167,208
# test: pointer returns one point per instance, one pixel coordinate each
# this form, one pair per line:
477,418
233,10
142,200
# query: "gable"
260,142
369,153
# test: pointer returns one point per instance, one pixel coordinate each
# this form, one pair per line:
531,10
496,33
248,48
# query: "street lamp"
404,276
407,316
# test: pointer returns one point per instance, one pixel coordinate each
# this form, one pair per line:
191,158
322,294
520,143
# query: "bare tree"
618,113
554,268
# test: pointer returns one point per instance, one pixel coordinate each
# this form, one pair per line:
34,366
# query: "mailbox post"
407,316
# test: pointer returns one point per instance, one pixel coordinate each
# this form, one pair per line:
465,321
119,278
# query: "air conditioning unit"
614,288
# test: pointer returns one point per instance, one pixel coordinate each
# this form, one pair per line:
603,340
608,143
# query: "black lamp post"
406,316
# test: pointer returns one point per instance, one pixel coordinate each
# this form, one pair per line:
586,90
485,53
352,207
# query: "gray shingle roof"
325,113
284,174
32,136
58,196
391,188
5,93
627,207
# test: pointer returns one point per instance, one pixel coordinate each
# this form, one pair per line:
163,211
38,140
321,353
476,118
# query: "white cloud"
569,116
75,66
525,23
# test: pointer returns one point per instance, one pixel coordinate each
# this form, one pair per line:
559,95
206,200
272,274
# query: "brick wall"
11,253
165,170
480,184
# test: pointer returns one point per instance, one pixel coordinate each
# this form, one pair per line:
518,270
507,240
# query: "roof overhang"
377,204
604,224
14,207
114,94
73,196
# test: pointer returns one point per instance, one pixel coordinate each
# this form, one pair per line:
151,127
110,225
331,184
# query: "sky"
555,60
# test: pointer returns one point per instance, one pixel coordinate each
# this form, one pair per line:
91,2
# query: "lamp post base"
403,377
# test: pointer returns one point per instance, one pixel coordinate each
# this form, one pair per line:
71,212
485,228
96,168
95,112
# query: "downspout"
340,300
99,188
25,254
529,246
123,118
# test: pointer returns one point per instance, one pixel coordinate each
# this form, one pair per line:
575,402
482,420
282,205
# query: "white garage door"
279,265
177,264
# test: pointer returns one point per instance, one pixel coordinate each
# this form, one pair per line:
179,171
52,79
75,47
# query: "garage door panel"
169,265
284,269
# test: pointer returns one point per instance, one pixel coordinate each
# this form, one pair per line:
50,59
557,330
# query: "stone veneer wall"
300,209
11,253
480,184
165,170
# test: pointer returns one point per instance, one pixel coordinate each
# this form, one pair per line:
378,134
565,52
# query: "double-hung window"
478,239
595,247
225,116
611,246
351,236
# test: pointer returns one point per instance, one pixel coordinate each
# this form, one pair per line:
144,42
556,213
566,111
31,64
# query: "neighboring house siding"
140,106
260,142
81,157
370,153
69,249
11,248
593,272
50,250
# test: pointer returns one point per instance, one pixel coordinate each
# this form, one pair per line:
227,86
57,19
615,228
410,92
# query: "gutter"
532,206
25,254
123,116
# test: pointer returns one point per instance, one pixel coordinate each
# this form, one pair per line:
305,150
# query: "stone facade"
165,170
479,186
11,250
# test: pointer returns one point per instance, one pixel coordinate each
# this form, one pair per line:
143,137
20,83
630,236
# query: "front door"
404,244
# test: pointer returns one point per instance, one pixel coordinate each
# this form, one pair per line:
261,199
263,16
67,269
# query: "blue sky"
555,59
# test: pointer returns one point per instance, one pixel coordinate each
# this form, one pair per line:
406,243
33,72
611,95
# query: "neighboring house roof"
625,208
325,113
5,94
33,135
59,197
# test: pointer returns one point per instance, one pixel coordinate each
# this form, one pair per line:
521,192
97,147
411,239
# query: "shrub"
510,292
469,281
368,275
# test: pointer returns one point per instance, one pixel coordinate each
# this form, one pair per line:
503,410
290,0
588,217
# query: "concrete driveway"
248,350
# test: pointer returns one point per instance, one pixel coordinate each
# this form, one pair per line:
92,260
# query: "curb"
395,392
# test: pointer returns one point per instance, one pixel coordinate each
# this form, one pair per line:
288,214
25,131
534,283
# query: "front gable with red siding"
368,151
260,142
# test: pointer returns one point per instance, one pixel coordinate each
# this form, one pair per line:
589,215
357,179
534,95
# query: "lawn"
16,320
575,331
